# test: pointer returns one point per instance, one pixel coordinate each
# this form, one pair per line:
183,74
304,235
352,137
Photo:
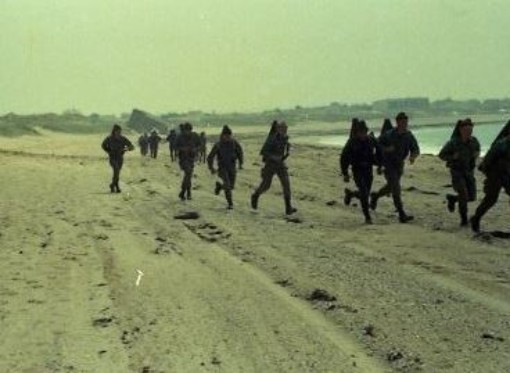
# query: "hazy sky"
109,56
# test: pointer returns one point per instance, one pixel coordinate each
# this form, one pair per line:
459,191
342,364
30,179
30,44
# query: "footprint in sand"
208,231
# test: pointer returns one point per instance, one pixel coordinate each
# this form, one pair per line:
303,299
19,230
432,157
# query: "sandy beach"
239,291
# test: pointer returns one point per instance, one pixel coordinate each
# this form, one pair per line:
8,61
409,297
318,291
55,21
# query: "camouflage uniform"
115,147
187,145
395,148
496,167
460,158
227,153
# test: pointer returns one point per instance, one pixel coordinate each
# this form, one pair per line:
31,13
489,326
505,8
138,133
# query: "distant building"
393,105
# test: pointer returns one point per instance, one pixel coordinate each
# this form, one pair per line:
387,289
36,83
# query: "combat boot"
373,200
217,188
117,189
188,194
181,195
347,196
228,196
112,188
254,201
451,202
404,218
289,210
475,223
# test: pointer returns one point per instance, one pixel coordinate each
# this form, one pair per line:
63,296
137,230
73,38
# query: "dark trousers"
464,183
172,153
492,187
363,179
187,166
116,163
154,151
228,177
267,173
393,176
144,149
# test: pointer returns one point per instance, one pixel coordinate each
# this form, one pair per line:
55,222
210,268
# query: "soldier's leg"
459,183
267,174
492,187
363,181
283,175
384,191
184,184
471,187
227,186
393,176
116,164
114,174
189,179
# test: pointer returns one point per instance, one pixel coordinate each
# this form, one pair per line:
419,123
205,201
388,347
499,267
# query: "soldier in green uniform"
187,145
496,167
227,151
116,145
154,140
274,153
361,154
143,143
397,145
460,154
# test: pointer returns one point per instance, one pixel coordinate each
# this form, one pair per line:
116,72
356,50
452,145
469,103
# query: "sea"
432,138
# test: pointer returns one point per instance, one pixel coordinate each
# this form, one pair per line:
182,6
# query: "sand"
230,291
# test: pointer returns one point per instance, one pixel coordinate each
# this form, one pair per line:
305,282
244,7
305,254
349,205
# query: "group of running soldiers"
362,152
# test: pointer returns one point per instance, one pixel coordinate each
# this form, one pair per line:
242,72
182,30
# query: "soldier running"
143,143
116,145
361,153
203,148
227,151
396,145
496,167
274,153
171,138
187,145
460,154
154,140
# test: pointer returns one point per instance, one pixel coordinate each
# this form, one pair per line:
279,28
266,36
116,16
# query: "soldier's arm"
210,158
265,151
106,145
128,144
346,158
492,156
446,153
239,154
477,148
414,147
378,153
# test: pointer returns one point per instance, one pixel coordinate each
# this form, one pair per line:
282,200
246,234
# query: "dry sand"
229,292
